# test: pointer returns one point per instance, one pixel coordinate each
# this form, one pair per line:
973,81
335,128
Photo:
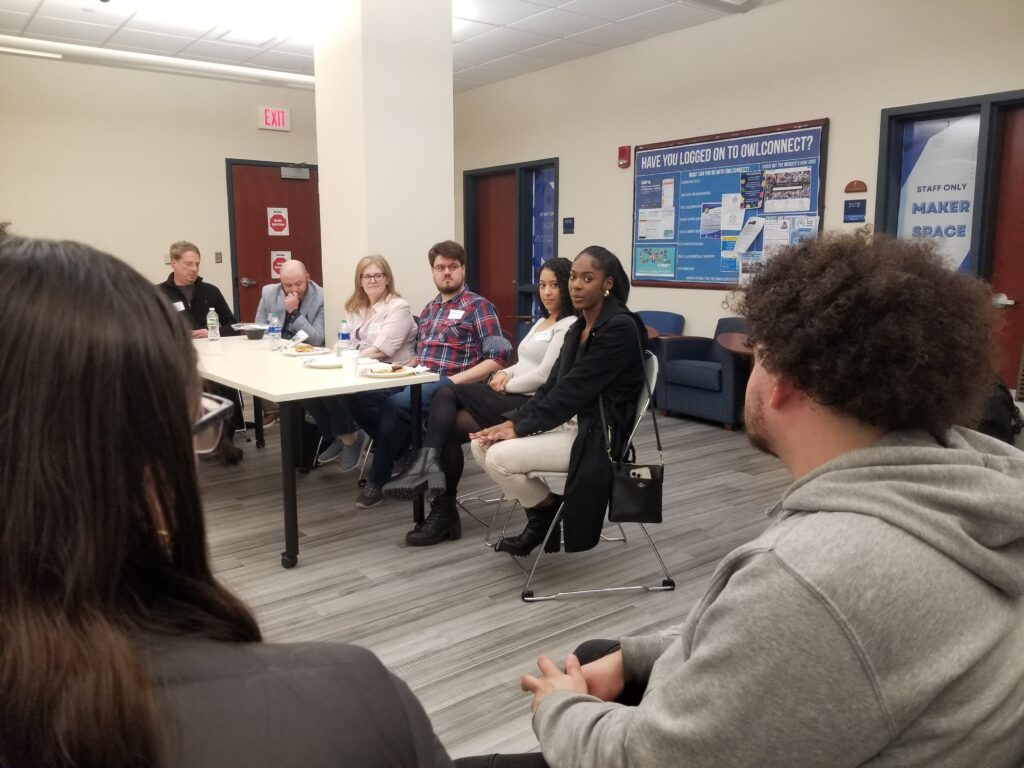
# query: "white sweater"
537,355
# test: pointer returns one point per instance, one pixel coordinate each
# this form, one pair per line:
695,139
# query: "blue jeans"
385,414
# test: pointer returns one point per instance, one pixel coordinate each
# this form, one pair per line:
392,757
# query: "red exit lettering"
274,118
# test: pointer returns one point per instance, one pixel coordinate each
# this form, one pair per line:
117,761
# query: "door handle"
1001,301
246,282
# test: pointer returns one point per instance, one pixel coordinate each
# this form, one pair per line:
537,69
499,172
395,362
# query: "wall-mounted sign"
277,260
568,225
274,119
700,204
277,222
937,196
855,211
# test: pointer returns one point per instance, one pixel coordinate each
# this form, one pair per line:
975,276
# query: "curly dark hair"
560,266
878,328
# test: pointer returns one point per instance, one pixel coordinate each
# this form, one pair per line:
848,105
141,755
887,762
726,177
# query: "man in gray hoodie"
880,620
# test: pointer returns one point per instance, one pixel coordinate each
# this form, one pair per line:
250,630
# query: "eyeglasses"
207,428
451,268
376,277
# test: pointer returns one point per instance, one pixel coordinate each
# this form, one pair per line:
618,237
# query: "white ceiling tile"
460,67
112,14
300,47
210,49
614,35
41,26
564,50
557,23
612,10
286,61
548,3
151,42
494,45
463,29
494,11
509,66
12,22
186,24
20,6
464,85
672,17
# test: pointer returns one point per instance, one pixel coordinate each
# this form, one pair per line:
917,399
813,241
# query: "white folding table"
252,367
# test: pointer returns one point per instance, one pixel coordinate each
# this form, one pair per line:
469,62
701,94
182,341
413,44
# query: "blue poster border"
817,204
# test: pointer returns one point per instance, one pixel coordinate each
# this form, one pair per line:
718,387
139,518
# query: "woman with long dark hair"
118,647
458,409
559,428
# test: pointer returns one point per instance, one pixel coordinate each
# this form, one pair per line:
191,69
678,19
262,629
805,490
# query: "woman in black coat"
559,428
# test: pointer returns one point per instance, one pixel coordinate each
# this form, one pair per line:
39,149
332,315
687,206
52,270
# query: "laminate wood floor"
448,619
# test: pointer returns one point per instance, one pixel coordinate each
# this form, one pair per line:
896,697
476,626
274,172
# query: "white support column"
385,146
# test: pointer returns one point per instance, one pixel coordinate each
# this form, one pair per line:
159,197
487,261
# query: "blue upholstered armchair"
665,323
696,377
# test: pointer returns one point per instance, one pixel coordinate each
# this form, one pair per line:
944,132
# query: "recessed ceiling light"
23,52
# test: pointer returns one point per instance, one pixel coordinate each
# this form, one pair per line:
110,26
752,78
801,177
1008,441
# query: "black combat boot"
538,520
422,474
442,523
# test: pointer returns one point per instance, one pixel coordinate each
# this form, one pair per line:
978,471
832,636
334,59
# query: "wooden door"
496,240
255,188
1007,254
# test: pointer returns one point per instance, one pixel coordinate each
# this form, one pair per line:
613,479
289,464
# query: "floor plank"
448,619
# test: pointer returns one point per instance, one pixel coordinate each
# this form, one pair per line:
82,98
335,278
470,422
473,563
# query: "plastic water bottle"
344,338
212,325
274,331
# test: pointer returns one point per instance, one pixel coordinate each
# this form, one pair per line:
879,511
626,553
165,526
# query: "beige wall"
841,59
129,161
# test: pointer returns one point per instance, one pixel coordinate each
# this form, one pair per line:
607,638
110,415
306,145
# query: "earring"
606,292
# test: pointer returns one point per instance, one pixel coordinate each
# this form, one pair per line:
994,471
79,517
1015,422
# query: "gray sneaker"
369,497
332,451
350,453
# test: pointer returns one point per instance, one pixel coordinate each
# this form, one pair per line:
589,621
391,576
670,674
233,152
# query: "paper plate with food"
389,371
304,350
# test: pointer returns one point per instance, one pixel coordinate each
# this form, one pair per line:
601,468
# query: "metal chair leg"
363,462
241,409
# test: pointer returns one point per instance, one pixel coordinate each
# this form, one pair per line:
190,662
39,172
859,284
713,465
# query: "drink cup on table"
350,361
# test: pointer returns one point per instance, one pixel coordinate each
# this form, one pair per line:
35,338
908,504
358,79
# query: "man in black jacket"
188,293
193,298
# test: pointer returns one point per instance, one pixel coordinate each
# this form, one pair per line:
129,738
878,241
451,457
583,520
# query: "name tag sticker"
374,328
456,314
180,306
544,335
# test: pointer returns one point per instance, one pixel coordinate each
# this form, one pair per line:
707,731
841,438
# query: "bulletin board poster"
705,209
937,191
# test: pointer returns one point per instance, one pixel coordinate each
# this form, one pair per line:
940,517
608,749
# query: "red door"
271,215
496,238
1007,257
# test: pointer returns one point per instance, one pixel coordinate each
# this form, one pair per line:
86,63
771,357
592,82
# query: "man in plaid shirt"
460,339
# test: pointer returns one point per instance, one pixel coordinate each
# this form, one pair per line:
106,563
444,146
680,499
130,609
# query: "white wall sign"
275,119
277,222
277,260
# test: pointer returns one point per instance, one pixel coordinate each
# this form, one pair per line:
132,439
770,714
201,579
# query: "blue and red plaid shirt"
451,334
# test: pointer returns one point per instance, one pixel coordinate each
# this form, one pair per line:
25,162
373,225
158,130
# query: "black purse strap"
650,408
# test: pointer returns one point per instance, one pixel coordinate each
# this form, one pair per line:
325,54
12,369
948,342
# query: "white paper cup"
350,361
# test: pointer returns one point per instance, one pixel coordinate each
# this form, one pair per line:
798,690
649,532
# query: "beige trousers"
508,462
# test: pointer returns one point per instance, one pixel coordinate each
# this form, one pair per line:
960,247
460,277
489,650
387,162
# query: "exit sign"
275,119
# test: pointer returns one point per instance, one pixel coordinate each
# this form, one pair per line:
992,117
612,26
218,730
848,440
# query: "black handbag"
636,488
